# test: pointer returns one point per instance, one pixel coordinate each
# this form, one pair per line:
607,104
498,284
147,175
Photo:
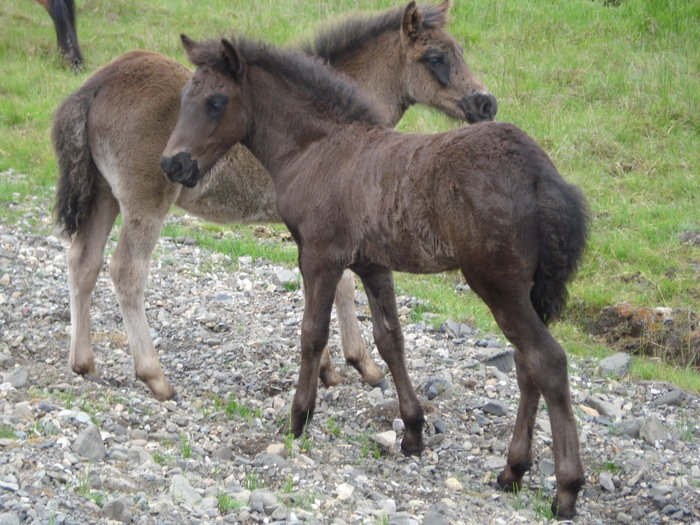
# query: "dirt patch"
670,334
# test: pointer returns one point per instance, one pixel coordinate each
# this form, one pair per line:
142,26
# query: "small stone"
385,440
117,510
89,444
547,467
453,484
617,364
606,481
501,359
652,430
24,410
17,377
182,491
344,491
276,448
628,427
223,453
285,277
604,408
437,386
9,518
495,408
263,500
673,398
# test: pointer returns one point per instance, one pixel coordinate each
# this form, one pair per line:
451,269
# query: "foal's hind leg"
129,272
379,285
351,339
541,367
85,258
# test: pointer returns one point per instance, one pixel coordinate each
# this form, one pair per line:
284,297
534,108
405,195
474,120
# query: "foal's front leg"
379,285
129,272
319,285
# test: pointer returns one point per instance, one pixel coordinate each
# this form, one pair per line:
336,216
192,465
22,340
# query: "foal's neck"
285,122
378,73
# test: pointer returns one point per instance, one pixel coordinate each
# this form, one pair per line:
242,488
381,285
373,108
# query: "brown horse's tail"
76,188
562,216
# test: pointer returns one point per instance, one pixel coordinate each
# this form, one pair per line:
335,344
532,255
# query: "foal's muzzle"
478,107
180,168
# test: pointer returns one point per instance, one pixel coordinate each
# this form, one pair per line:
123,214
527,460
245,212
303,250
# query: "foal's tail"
562,216
76,188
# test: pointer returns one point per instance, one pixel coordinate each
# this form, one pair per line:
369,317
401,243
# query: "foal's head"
435,71
213,113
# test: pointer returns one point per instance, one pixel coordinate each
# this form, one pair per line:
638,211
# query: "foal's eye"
434,61
215,105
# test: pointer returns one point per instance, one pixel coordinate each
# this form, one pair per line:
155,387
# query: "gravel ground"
75,451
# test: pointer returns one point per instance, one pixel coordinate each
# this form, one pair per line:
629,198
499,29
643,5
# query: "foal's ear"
233,59
411,22
188,44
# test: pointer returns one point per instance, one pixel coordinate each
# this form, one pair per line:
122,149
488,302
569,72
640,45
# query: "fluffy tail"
76,188
563,227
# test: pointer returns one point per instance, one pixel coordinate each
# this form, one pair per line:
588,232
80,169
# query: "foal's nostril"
487,106
169,165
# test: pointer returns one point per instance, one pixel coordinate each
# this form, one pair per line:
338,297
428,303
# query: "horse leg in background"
379,286
540,365
85,258
319,283
63,15
129,271
351,338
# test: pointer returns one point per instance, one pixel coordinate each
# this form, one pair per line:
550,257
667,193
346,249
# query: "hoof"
382,383
163,392
300,421
507,486
561,513
87,370
96,379
330,378
511,478
564,504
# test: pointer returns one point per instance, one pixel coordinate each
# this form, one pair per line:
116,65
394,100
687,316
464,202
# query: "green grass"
609,89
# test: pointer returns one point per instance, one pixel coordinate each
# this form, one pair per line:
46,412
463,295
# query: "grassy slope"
610,92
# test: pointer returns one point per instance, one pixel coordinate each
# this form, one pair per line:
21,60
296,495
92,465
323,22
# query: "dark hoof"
561,513
96,379
382,383
299,422
411,450
507,485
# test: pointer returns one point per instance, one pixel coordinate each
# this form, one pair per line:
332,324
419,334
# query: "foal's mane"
334,42
305,74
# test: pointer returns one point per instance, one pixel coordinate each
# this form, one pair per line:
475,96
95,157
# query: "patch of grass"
7,432
185,447
609,466
333,427
226,503
235,409
252,481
